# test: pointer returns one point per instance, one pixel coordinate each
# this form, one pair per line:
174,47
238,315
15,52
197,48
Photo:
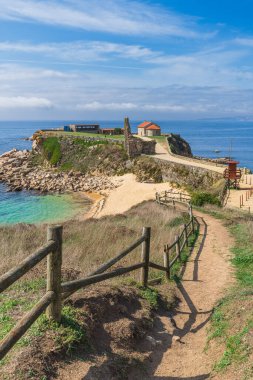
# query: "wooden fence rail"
58,291
173,252
52,250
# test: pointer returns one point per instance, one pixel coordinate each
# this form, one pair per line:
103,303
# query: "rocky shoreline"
18,173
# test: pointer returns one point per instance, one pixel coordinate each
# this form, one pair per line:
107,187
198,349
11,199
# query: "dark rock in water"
179,146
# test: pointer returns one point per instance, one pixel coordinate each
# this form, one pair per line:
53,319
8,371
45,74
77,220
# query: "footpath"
183,333
163,154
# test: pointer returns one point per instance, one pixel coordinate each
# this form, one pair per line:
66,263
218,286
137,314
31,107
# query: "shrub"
117,131
147,170
201,198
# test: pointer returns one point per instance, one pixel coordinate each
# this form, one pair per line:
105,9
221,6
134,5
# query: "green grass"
178,221
19,299
32,285
243,255
86,134
236,350
232,320
87,143
151,295
200,198
52,150
185,254
66,335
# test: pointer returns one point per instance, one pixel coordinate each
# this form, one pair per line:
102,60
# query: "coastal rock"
17,172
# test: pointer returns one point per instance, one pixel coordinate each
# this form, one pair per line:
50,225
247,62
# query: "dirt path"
183,333
164,155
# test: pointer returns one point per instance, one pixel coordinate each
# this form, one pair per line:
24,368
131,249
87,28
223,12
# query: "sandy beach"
128,194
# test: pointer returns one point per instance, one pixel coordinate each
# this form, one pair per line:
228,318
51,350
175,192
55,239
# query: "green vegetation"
20,298
52,150
89,143
151,295
89,156
179,221
200,198
236,350
86,134
118,131
147,170
66,335
232,320
185,254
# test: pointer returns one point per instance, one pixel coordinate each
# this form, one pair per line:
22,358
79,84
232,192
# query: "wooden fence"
171,197
57,291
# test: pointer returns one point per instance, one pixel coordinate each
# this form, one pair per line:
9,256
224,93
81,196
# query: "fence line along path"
57,291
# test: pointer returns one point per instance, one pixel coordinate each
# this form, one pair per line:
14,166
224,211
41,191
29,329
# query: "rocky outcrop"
179,146
17,171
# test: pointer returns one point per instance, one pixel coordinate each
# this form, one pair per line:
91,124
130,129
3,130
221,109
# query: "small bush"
151,295
88,143
147,170
202,198
117,131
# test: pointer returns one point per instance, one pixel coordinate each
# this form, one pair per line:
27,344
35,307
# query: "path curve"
183,332
163,154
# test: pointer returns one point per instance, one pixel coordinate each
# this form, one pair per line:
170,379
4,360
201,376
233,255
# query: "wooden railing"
170,196
58,291
51,301
173,252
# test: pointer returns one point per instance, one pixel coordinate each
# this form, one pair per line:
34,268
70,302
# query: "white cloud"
80,51
113,16
158,108
244,41
23,102
97,106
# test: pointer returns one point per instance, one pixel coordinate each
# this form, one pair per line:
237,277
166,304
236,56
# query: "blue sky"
79,59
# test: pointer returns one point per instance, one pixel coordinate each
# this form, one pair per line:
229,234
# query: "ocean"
230,138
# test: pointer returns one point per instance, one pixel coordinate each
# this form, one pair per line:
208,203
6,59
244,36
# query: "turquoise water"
25,207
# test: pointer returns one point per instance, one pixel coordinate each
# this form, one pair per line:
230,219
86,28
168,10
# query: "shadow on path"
200,377
191,317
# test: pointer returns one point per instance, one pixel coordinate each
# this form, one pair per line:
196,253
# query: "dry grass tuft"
90,243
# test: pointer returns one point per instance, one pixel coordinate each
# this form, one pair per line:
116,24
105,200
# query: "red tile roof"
153,127
149,125
145,124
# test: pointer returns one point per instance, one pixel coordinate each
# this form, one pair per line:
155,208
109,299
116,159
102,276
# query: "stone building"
149,129
135,146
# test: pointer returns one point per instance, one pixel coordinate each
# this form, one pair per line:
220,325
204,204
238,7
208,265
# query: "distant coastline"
204,136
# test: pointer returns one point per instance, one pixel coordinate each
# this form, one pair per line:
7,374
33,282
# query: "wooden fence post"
166,257
193,227
54,263
145,256
190,211
178,251
186,235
